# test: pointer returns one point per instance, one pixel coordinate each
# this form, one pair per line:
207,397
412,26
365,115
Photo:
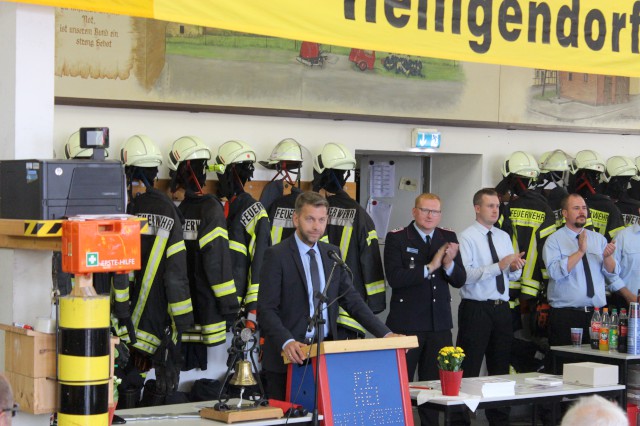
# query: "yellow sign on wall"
570,35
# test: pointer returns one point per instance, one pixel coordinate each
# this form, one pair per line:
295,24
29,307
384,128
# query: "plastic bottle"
596,322
623,325
604,331
632,330
613,331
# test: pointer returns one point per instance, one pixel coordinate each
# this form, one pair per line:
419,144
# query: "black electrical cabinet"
54,189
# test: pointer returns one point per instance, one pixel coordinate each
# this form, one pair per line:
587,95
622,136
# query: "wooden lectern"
362,382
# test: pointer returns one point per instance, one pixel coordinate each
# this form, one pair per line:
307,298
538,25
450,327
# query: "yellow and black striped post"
83,361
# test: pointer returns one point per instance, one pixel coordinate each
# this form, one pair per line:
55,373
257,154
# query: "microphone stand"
317,321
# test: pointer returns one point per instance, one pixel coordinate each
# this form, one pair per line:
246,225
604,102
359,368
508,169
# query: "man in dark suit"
420,263
285,298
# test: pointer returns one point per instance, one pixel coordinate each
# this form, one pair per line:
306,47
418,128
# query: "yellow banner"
600,37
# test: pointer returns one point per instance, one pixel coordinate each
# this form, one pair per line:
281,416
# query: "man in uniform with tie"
580,264
421,261
484,316
293,272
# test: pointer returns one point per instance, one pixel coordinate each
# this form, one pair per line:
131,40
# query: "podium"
361,382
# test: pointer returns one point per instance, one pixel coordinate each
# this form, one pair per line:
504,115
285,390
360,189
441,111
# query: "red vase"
112,410
450,382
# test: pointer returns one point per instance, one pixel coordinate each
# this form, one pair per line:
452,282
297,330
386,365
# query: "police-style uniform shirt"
627,256
569,288
420,299
424,238
480,267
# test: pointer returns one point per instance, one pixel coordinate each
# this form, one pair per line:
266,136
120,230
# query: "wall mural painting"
117,58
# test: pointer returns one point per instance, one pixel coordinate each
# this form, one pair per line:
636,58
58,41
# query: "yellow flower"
450,358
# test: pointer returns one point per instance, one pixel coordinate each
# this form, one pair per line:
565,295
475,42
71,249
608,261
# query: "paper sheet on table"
471,401
380,212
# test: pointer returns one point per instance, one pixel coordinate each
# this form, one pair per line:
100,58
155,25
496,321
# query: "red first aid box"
100,245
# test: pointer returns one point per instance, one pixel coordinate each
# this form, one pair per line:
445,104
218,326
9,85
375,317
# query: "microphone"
336,258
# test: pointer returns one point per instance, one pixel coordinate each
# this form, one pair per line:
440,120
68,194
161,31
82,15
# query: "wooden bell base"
232,416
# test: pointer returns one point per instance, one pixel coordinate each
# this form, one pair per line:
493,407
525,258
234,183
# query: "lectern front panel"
356,388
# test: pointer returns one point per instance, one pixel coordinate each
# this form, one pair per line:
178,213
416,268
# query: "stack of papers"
488,386
545,380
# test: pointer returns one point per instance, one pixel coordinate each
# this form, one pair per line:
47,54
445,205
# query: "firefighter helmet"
187,148
73,151
334,156
140,151
522,164
619,165
286,151
588,160
554,161
234,151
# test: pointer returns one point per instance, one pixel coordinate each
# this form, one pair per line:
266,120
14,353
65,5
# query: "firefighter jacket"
629,209
281,216
160,289
119,296
271,192
634,189
353,230
249,228
605,216
529,221
554,198
209,267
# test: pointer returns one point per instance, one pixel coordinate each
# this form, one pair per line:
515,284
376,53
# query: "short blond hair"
427,196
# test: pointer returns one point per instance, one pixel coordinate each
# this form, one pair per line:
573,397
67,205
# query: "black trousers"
560,322
276,385
425,356
425,359
485,330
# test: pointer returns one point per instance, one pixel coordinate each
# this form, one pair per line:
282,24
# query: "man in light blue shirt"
579,262
627,256
484,316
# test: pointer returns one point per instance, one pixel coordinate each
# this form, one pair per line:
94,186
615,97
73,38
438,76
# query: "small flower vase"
450,382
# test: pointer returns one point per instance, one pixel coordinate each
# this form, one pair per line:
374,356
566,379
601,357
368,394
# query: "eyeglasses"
429,211
13,410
